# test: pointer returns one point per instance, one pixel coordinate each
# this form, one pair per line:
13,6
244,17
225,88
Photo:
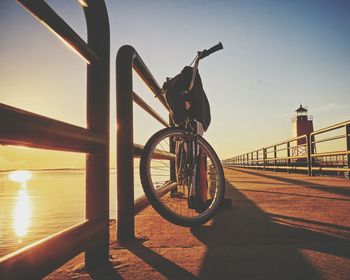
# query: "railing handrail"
47,16
286,141
329,128
128,60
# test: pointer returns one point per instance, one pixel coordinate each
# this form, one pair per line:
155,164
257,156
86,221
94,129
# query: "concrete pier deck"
280,226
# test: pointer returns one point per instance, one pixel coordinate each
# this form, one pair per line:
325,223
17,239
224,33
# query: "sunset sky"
277,55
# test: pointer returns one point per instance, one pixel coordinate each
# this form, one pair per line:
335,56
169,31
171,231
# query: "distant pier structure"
302,124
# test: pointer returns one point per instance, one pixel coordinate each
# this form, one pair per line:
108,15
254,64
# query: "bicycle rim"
168,189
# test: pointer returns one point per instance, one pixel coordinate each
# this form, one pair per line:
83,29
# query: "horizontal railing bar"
167,187
286,141
256,160
329,128
295,167
39,259
50,19
320,168
138,150
280,150
142,202
143,72
278,158
139,101
19,127
297,157
329,139
338,153
271,167
297,146
268,150
158,154
286,158
288,167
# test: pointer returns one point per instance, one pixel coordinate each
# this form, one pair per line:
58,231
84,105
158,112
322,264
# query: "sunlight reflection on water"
22,214
36,204
22,211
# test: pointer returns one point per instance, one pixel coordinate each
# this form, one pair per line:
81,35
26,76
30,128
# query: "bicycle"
180,172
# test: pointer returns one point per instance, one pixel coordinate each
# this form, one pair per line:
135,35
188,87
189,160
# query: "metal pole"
309,149
97,164
347,131
264,158
288,155
274,157
125,146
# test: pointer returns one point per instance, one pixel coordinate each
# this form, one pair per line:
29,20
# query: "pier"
280,226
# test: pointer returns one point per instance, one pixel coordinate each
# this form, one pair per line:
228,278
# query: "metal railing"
22,128
331,160
300,153
127,61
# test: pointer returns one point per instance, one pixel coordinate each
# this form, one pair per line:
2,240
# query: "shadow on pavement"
306,184
105,272
246,243
293,194
167,268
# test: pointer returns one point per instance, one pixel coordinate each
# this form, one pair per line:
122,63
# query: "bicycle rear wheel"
166,186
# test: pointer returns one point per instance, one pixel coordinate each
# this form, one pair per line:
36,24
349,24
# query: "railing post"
288,155
97,164
264,158
274,157
125,145
309,149
347,135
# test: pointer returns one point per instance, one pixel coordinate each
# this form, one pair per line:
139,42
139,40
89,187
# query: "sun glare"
21,217
21,176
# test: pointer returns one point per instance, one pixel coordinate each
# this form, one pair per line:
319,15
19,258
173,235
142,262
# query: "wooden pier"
280,226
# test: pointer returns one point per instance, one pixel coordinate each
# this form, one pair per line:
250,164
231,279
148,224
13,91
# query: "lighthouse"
301,124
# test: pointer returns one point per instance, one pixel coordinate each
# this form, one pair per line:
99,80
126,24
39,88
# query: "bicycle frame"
186,170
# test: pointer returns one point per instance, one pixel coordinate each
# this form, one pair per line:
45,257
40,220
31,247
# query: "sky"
277,55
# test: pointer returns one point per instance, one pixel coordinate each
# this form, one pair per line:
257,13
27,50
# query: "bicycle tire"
150,155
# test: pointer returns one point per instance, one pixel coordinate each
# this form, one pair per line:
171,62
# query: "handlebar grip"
205,53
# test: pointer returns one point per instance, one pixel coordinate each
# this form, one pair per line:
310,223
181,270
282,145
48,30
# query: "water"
36,204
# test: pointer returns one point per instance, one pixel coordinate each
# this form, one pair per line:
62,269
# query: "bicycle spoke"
193,185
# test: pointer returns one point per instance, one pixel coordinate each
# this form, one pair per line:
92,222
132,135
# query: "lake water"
36,204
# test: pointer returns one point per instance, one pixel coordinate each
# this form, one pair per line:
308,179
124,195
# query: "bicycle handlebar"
205,53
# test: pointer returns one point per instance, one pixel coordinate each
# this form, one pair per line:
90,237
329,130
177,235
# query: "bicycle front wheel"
184,185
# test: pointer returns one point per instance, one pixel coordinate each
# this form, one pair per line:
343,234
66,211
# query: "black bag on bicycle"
175,89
